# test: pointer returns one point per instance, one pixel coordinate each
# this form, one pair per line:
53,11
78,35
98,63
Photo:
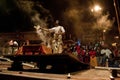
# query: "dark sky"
14,17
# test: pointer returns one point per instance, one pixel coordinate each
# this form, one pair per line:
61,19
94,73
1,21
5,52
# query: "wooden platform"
58,63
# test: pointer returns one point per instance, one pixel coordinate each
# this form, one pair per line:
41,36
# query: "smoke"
81,22
103,23
25,6
75,15
34,10
38,15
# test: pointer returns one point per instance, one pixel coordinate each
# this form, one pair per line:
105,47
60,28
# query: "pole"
118,22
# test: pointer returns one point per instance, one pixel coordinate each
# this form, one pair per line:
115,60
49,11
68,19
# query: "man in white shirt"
57,31
105,52
57,42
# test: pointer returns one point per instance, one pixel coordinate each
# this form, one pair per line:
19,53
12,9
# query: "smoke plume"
37,13
75,14
103,23
81,22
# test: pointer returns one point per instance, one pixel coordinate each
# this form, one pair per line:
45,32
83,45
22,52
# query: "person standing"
105,52
57,43
93,60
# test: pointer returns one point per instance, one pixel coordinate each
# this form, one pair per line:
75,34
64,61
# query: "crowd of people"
95,54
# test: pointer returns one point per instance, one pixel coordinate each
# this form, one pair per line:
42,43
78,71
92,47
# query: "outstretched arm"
38,27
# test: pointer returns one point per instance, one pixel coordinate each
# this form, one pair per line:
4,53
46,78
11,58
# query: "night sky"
16,16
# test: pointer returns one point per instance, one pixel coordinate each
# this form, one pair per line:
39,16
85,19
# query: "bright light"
96,8
104,30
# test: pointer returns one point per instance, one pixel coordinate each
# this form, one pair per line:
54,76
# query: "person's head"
56,22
